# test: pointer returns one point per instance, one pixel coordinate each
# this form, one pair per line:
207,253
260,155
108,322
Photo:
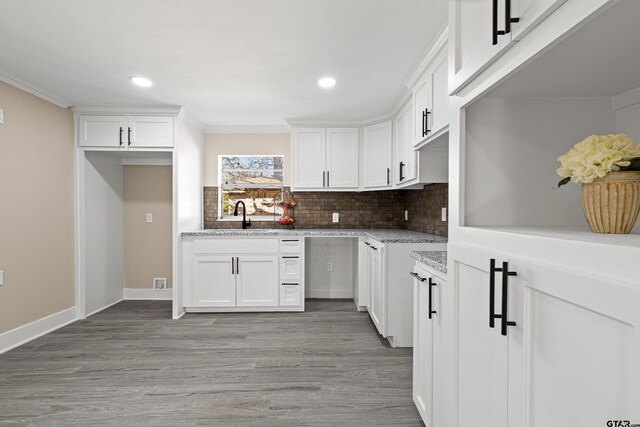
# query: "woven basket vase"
611,204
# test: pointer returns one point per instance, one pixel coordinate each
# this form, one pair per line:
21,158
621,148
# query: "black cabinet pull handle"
426,122
324,177
431,311
505,298
328,182
291,284
494,22
508,20
388,176
492,292
233,271
373,247
128,136
290,240
121,135
401,170
291,257
416,276
367,243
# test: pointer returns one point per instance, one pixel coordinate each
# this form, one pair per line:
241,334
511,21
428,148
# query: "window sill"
253,218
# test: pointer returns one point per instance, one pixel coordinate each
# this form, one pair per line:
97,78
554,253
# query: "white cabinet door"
363,276
102,131
423,345
473,34
342,158
257,281
480,353
421,108
290,294
378,150
215,281
405,155
150,132
582,345
530,13
377,312
439,74
309,158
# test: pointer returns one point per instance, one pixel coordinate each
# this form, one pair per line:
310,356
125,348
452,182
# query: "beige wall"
36,209
147,189
216,144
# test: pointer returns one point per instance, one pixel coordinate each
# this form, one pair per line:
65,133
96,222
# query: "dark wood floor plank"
132,365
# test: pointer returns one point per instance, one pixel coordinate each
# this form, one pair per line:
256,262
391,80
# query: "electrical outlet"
336,217
444,214
330,266
1,277
406,215
149,218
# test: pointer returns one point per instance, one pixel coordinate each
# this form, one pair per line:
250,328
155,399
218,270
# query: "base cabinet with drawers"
221,274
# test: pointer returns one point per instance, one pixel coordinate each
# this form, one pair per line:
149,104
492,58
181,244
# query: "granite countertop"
435,259
381,235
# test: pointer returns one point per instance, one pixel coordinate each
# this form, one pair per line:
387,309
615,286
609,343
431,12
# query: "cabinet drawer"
291,246
236,246
290,294
290,267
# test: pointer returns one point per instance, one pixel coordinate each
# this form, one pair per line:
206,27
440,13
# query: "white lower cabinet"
257,281
427,343
290,294
214,281
376,305
563,349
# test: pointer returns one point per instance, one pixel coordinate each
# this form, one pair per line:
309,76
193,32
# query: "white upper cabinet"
342,158
431,100
405,155
125,132
325,159
378,150
309,158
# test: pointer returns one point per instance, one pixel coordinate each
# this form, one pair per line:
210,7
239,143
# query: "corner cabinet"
325,158
377,155
532,341
125,132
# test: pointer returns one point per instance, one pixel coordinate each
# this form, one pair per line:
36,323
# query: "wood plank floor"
132,365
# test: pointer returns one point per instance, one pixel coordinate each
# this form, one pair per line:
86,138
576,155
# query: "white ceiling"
227,62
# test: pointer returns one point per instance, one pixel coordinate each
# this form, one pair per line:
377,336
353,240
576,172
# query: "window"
255,180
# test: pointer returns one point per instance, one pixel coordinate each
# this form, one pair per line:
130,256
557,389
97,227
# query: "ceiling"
227,62
601,59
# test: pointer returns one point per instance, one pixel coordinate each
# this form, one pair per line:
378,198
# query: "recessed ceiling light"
327,82
141,81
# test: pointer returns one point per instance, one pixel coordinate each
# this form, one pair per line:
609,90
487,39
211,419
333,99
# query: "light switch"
1,116
336,217
149,218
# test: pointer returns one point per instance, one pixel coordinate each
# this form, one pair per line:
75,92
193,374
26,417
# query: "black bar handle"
492,292
505,298
494,22
128,136
233,271
121,135
367,243
290,240
508,20
388,176
431,311
324,177
291,284
401,170
291,257
328,182
426,122
237,265
416,276
373,247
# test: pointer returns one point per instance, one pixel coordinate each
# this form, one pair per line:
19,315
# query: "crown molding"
33,90
191,119
320,122
246,129
154,110
626,99
432,51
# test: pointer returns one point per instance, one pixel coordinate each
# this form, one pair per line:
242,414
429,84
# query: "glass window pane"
259,201
252,177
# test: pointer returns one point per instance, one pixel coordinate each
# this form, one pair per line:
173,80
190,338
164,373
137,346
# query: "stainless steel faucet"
245,223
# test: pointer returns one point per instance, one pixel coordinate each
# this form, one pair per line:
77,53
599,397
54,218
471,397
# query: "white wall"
187,192
104,225
511,151
338,283
628,119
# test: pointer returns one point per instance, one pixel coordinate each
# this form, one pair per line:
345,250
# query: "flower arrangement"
596,156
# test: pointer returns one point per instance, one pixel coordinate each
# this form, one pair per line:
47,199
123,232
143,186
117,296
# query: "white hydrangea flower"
596,156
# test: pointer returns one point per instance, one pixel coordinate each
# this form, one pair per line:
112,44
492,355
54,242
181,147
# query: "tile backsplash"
372,209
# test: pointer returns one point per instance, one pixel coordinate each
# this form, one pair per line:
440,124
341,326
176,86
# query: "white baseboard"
23,334
103,308
133,293
328,294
